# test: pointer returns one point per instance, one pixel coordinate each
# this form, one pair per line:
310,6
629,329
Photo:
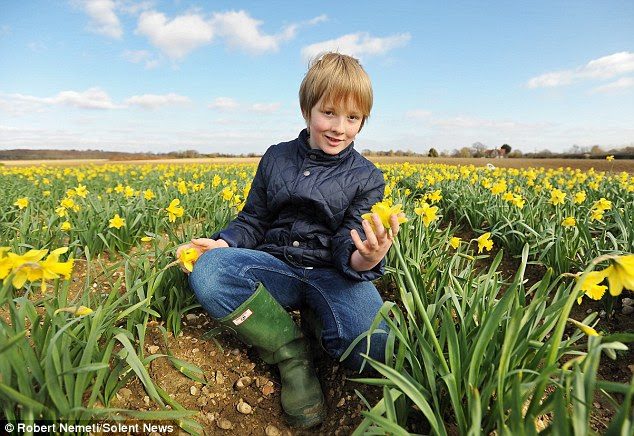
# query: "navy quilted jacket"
303,204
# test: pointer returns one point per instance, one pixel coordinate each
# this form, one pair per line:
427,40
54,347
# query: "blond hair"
341,80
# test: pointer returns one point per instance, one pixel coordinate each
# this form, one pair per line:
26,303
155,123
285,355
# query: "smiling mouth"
333,140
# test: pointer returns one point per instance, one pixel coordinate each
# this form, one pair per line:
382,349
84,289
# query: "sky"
223,76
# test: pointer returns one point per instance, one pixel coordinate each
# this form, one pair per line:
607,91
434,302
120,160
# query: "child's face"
333,128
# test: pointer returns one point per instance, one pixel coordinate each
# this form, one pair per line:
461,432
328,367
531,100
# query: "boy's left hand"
377,243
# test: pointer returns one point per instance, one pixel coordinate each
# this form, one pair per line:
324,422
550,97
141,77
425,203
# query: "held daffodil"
187,257
383,210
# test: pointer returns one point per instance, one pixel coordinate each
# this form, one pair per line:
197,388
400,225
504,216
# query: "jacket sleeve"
248,228
342,244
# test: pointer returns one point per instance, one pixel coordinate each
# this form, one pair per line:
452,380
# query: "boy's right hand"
201,245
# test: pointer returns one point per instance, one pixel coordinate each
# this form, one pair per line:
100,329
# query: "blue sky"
223,76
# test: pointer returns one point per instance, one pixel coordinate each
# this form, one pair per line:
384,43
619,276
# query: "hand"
201,245
370,252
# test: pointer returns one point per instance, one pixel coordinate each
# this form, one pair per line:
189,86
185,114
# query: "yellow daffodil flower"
580,197
383,210
77,311
65,226
52,268
187,257
620,274
117,222
603,204
22,202
584,328
174,210
592,287
454,242
146,239
81,191
569,222
609,158
484,242
26,266
596,215
148,194
557,197
427,213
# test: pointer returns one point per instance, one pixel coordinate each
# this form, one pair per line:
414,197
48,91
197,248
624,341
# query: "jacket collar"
319,156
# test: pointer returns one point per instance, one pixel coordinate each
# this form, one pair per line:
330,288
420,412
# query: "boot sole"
310,418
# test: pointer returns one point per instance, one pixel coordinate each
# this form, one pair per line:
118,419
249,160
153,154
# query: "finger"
378,225
356,239
370,236
202,242
394,224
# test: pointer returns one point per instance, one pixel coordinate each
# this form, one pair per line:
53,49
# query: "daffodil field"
471,350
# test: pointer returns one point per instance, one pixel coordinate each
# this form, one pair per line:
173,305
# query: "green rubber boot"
262,322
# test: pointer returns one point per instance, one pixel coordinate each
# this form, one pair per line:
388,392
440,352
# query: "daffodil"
174,210
81,191
454,242
584,328
146,239
569,222
22,202
427,213
609,158
52,268
117,222
384,211
592,286
26,266
620,274
187,257
557,197
484,242
603,204
580,197
434,196
5,263
148,194
65,226
77,311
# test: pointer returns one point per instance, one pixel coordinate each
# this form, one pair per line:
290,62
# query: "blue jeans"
224,278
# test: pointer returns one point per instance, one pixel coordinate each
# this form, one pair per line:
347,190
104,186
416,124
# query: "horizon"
168,76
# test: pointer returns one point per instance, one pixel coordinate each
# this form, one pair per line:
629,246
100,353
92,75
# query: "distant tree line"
27,154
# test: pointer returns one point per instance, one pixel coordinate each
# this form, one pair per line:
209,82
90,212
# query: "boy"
298,242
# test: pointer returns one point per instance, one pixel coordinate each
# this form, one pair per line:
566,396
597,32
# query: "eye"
328,112
354,117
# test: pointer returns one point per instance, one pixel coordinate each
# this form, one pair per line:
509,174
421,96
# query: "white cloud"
141,56
357,44
615,87
153,101
603,68
176,37
226,104
418,113
103,19
241,32
93,98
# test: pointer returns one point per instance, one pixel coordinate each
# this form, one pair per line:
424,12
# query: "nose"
338,124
